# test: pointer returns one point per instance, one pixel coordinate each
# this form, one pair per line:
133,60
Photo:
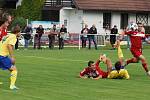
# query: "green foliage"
52,75
19,21
30,9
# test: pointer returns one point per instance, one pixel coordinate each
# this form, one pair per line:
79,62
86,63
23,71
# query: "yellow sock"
13,77
120,54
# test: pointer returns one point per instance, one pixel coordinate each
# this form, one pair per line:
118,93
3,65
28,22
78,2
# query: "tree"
30,9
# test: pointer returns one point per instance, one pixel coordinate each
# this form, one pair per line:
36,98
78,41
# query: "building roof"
114,5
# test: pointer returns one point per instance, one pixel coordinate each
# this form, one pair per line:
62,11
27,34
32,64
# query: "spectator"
39,32
27,35
51,36
113,33
62,36
92,30
16,45
84,33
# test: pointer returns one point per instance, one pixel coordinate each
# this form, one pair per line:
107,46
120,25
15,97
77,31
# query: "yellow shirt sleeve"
12,40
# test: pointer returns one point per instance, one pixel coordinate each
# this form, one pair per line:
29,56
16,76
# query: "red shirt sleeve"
83,72
128,32
97,63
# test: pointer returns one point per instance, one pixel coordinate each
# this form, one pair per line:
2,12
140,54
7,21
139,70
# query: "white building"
104,14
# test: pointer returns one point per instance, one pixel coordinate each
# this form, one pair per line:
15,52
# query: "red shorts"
136,52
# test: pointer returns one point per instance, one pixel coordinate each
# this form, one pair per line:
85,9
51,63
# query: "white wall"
132,17
148,19
115,19
93,17
74,19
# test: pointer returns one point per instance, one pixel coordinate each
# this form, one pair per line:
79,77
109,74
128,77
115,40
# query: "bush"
18,21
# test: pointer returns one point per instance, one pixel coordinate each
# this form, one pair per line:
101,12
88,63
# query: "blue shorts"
5,63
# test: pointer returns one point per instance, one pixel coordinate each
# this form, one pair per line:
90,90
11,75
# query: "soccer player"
136,37
5,20
119,72
93,70
6,49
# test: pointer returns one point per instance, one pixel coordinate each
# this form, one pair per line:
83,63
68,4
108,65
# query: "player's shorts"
5,63
136,52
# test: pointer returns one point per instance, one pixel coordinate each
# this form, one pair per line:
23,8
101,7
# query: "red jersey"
94,72
3,32
136,39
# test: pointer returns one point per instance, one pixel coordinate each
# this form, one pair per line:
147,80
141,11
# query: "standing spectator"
16,45
39,31
62,36
84,33
113,33
92,30
5,20
27,35
51,36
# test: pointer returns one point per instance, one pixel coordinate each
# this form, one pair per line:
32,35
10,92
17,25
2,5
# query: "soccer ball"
133,26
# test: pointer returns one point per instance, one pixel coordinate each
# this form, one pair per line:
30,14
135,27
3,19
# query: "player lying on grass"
6,49
95,72
119,72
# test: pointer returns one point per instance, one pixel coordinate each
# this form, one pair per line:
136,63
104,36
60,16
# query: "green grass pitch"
52,75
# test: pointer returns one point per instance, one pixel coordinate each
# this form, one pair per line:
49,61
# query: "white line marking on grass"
56,59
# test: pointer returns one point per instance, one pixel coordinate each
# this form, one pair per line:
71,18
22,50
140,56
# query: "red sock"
145,67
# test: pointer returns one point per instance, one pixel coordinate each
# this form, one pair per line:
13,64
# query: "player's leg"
132,60
144,64
13,77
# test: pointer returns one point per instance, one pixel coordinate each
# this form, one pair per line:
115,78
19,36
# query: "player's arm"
10,49
97,63
126,74
109,65
82,74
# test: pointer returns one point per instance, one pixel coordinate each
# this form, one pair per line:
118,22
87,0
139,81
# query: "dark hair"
4,18
139,23
90,62
16,29
118,65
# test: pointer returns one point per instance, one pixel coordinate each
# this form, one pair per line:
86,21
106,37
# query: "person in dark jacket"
92,30
113,33
53,32
62,36
84,33
39,32
27,35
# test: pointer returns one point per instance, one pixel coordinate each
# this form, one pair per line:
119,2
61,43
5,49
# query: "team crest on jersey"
4,38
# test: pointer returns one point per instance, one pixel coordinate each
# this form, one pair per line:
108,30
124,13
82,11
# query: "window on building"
107,20
142,18
65,22
124,20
